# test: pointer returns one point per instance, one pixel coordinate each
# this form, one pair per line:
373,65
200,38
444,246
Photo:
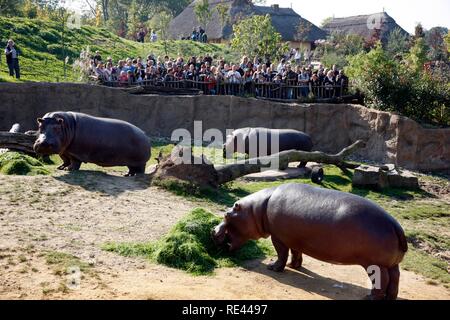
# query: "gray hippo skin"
289,139
79,137
328,225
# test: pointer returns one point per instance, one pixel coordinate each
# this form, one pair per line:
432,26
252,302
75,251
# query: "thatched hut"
364,25
293,28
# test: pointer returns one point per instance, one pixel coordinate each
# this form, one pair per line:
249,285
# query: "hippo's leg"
296,260
283,254
74,165
394,277
66,162
132,171
380,287
302,164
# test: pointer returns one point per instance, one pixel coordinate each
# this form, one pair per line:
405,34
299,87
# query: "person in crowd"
123,79
12,59
289,77
97,57
153,36
329,82
342,81
303,82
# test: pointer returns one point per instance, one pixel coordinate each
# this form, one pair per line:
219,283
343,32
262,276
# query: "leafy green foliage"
203,12
15,163
188,246
401,86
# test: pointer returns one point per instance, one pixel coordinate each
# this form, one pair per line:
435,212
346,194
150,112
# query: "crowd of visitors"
248,76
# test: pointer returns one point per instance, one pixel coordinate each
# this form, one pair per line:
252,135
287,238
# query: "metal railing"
268,90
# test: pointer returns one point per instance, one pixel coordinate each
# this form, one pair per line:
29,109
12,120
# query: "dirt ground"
77,213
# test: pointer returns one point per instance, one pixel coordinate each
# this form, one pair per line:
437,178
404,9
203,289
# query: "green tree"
160,24
11,7
222,11
447,41
397,44
256,36
203,12
417,56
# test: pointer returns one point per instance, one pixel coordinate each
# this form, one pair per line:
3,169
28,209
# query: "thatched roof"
364,25
285,20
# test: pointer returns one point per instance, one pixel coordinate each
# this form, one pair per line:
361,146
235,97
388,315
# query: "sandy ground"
77,213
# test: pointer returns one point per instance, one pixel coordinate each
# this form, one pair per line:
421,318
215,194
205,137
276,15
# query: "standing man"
12,59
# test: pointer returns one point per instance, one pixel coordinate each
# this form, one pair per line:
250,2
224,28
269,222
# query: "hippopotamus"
328,225
79,137
289,139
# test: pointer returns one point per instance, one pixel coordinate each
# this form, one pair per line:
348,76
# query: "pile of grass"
16,163
189,246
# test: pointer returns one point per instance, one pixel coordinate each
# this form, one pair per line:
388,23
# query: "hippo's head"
51,136
238,227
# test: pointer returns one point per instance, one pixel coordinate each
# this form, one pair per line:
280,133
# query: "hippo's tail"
401,237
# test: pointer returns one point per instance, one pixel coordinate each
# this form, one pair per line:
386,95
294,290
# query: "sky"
407,13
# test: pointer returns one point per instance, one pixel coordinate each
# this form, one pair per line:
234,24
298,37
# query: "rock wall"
390,138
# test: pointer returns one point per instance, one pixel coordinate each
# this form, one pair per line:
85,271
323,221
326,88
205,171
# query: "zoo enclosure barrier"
269,90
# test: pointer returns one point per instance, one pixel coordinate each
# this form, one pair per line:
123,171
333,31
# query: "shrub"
15,163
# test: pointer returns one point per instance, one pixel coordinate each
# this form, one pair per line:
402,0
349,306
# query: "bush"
49,36
400,86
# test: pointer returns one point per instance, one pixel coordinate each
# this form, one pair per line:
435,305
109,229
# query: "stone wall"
390,138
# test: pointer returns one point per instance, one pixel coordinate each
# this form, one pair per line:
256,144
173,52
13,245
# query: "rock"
370,177
404,179
388,167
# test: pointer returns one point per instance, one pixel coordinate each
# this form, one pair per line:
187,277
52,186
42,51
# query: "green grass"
189,246
15,163
62,262
42,55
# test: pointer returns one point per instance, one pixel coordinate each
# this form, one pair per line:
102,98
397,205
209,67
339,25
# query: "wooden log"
17,141
233,171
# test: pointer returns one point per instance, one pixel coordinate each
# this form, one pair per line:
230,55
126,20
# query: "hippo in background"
289,139
328,225
79,137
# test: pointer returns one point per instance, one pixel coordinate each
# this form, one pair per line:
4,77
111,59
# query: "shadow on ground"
311,282
96,181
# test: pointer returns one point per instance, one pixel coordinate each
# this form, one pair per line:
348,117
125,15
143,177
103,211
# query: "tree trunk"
233,171
17,141
206,175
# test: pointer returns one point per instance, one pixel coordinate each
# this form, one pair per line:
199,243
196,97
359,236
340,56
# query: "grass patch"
427,265
16,163
62,262
188,246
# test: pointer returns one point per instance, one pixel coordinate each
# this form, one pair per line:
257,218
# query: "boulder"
402,179
370,177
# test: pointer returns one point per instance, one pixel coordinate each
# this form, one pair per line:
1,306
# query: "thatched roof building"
364,25
285,20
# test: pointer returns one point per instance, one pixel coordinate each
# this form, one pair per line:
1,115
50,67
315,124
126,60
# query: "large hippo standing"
328,225
79,137
241,139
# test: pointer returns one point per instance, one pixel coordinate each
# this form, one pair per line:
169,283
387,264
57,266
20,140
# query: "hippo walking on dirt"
328,225
246,140
79,137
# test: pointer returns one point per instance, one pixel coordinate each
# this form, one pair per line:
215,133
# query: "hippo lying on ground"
328,225
78,138
240,141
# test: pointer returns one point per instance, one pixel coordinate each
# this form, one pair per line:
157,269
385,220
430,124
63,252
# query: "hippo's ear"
237,207
60,120
39,120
